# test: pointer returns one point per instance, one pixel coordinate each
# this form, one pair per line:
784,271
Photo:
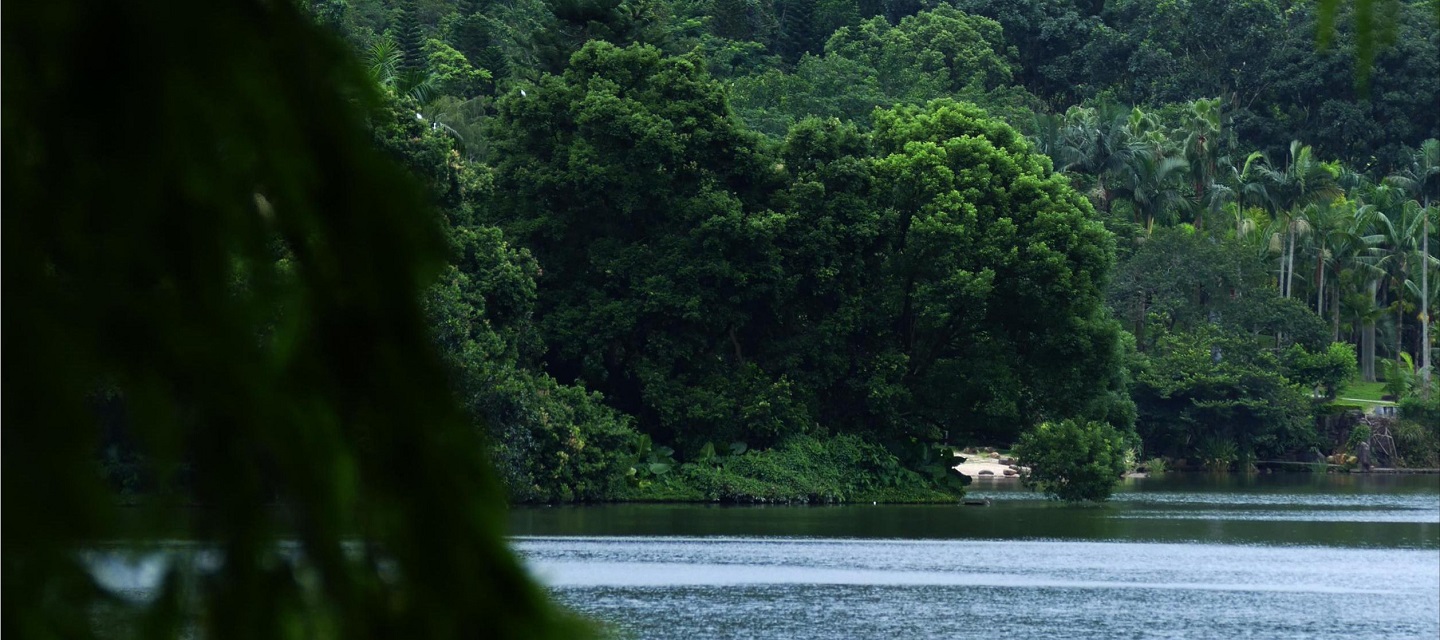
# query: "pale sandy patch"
974,464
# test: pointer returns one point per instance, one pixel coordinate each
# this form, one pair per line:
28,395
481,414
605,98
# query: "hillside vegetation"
680,226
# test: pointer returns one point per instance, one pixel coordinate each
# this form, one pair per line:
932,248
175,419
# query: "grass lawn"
1370,391
1364,394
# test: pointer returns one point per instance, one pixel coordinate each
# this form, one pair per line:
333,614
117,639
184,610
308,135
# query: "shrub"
1073,461
1155,466
1330,368
555,443
1337,409
1400,378
1360,434
1217,453
1417,433
802,469
1423,412
1416,445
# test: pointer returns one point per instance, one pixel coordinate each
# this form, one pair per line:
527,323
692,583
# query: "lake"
1184,556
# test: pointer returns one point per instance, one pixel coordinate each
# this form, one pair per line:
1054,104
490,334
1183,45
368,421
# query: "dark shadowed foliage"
197,227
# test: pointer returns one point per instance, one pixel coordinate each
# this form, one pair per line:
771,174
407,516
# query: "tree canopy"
722,290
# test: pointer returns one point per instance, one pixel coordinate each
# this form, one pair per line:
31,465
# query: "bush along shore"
803,470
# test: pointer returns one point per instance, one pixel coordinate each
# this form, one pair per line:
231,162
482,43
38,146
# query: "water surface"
1284,556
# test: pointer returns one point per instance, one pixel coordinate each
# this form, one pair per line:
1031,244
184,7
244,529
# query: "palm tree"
386,64
1332,241
1201,149
1397,251
1097,142
1359,308
1425,291
1244,224
1150,182
1421,179
1285,190
1363,272
1049,138
1347,246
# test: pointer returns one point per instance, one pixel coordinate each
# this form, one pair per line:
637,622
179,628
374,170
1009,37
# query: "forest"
781,250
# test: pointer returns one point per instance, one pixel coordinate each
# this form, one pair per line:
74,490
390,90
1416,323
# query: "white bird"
418,116
522,93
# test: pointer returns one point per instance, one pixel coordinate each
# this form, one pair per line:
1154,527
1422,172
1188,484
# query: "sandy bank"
976,463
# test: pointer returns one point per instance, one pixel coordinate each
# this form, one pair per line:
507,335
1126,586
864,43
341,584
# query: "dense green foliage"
1210,388
548,441
752,221
1074,461
933,54
787,59
720,293
558,442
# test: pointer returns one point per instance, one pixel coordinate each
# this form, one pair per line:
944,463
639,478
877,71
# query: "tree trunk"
1290,263
1320,295
1200,206
1367,340
1140,323
1425,304
1335,314
1399,323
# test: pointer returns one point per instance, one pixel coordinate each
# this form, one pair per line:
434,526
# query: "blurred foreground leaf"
195,223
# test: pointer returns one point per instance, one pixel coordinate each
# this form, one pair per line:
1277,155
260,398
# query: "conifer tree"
410,37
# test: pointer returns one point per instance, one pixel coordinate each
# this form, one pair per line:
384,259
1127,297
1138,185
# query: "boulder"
986,472
1011,472
994,456
1007,461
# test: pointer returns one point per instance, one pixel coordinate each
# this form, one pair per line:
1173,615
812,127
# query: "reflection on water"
1381,512
1186,557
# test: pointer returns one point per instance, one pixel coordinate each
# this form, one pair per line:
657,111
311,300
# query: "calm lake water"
1276,556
